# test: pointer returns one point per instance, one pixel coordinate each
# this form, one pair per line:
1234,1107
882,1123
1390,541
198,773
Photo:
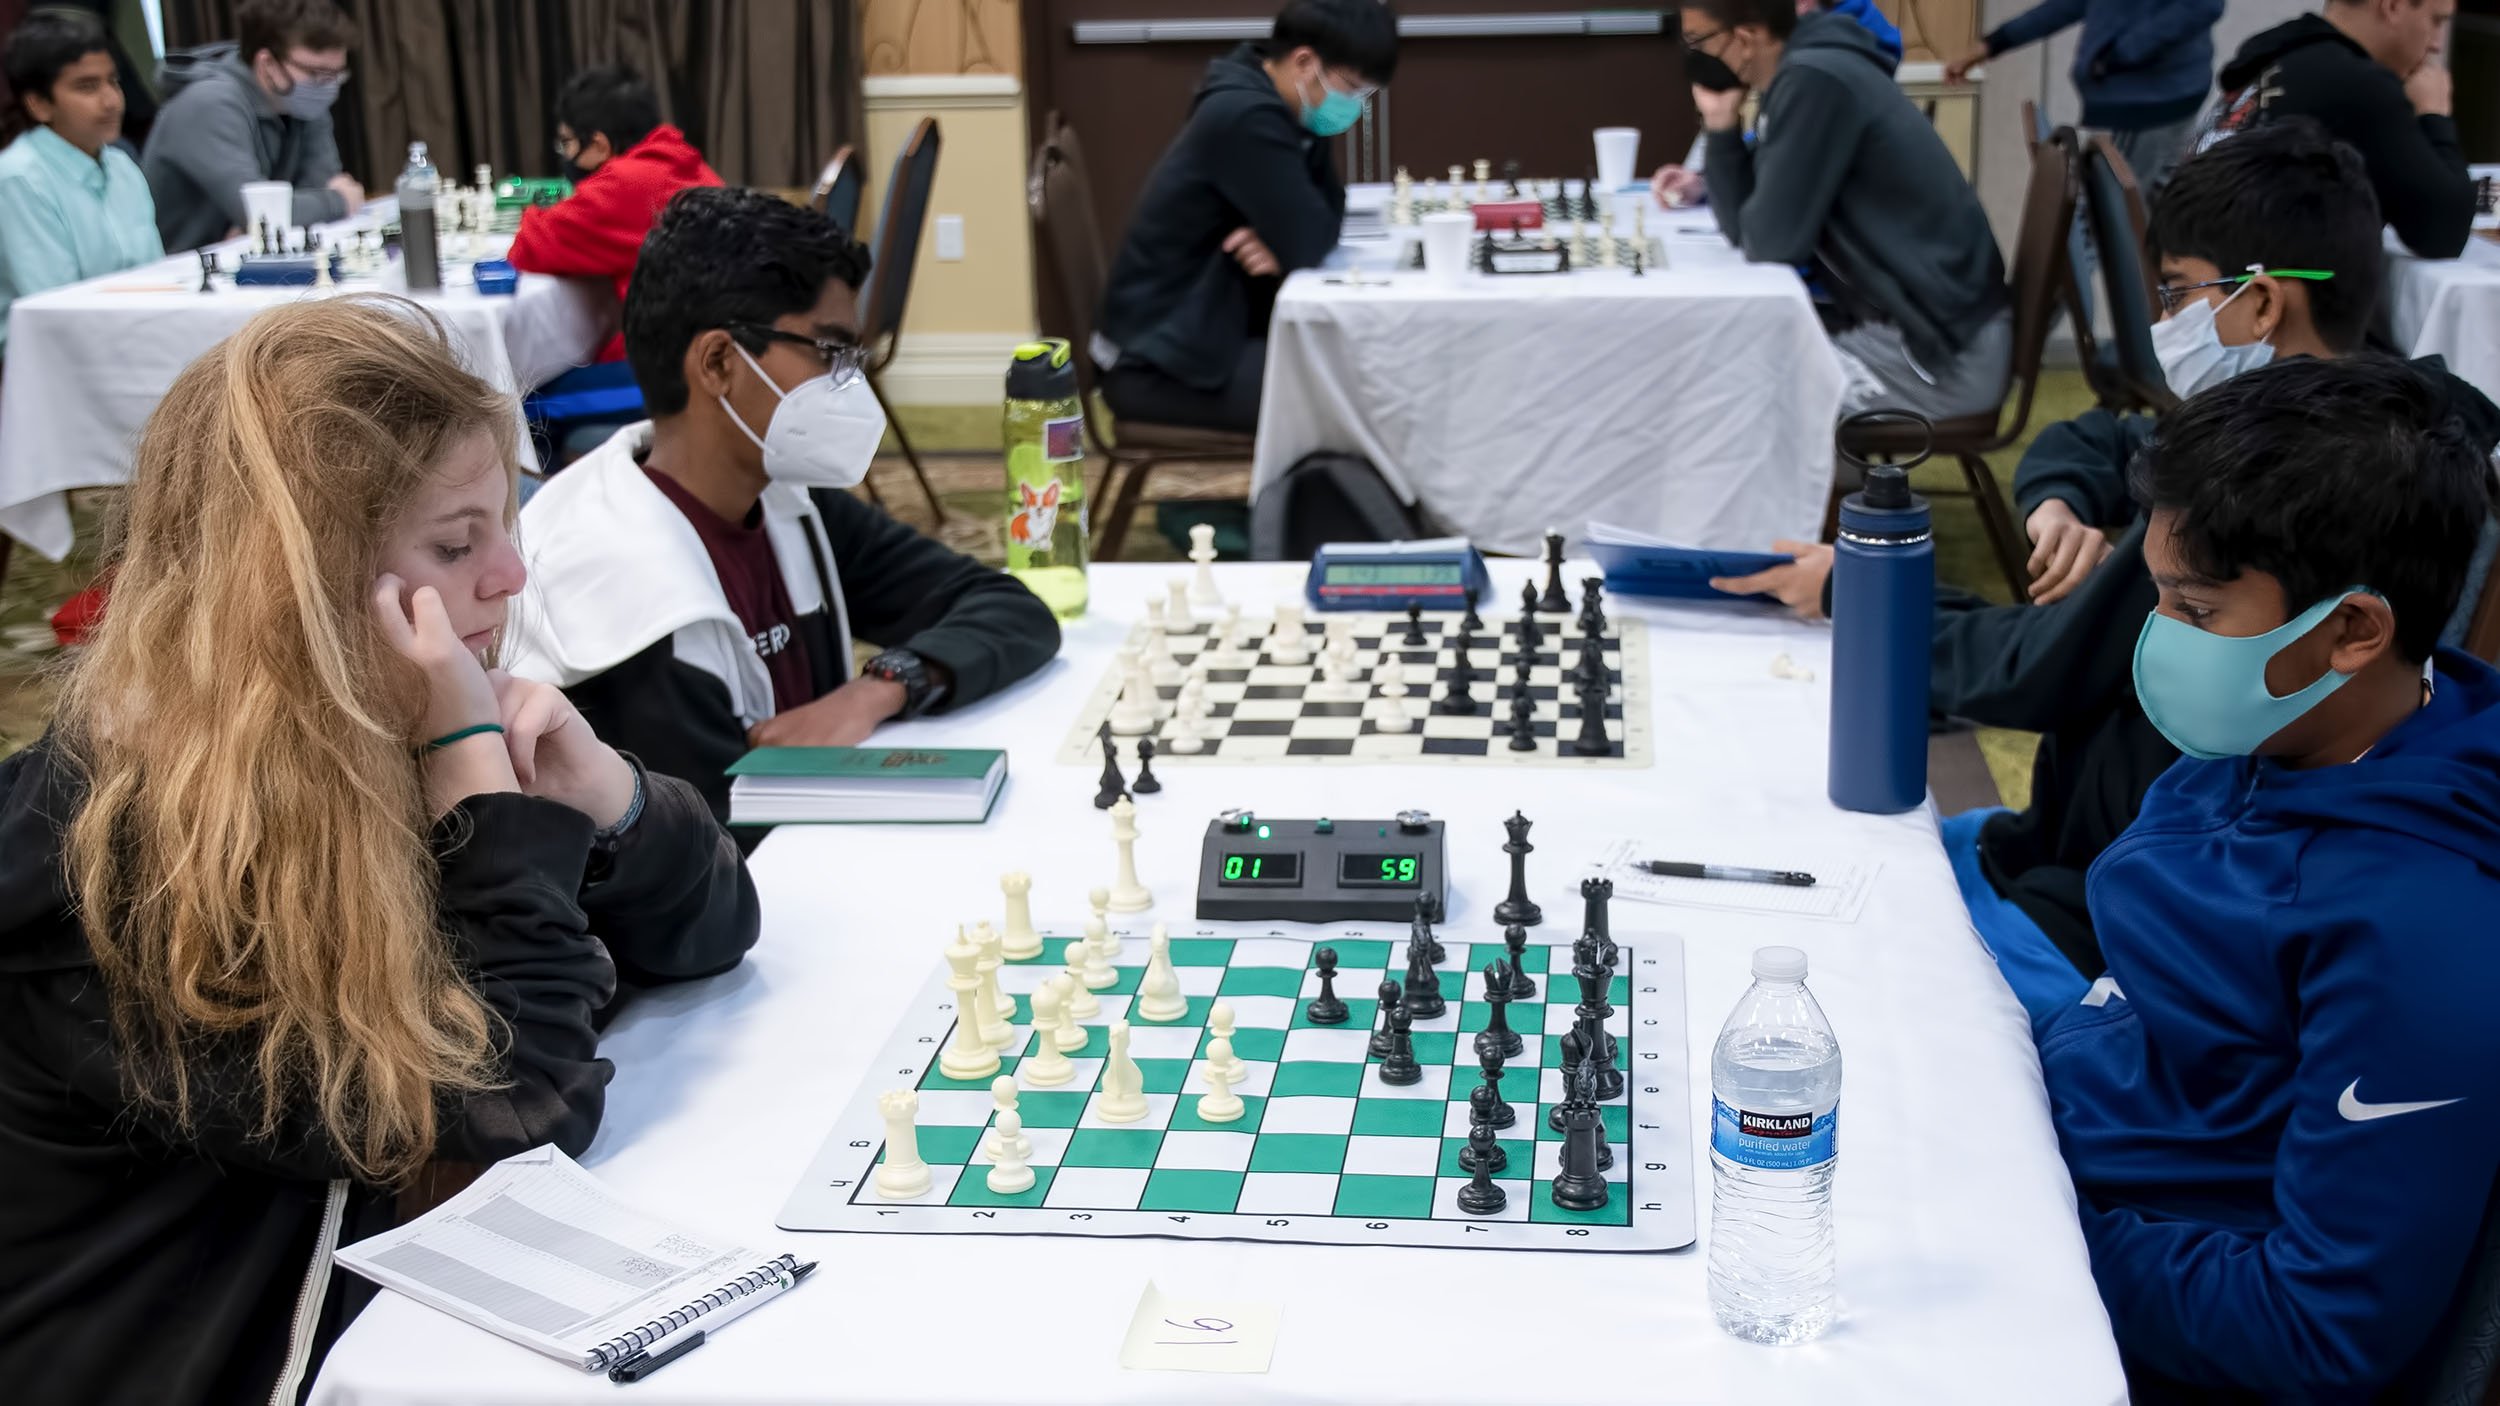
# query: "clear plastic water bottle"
418,185
1045,439
1774,1112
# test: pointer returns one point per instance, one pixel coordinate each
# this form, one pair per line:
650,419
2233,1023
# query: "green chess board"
1325,1152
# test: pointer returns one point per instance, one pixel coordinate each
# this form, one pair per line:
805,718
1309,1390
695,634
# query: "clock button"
1324,826
1414,822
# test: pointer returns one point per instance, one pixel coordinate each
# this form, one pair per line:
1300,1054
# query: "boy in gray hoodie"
257,109
1845,173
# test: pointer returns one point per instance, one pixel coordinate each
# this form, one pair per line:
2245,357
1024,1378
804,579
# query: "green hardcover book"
860,785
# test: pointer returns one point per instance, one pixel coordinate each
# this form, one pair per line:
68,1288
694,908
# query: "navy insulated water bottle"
1883,617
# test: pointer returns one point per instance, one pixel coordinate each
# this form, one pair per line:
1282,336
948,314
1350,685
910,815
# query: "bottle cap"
1887,487
1042,370
1779,964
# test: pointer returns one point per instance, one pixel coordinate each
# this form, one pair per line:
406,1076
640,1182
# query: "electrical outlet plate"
950,237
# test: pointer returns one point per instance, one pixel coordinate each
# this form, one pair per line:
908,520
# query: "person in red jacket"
624,163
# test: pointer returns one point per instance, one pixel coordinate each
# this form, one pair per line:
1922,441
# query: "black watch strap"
920,692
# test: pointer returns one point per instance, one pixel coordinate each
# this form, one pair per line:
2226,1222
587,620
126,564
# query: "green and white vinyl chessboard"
1325,1153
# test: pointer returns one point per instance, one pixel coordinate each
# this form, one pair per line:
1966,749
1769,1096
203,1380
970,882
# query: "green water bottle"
1045,432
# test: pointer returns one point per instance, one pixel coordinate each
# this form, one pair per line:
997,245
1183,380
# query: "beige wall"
956,36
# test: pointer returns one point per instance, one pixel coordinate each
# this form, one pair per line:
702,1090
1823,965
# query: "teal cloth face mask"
1336,112
2207,693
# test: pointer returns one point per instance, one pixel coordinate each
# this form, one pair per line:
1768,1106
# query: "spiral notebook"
542,1253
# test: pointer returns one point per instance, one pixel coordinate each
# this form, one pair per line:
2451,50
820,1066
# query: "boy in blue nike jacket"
2281,1107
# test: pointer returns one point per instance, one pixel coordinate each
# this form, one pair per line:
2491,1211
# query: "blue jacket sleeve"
2083,461
2035,24
2156,29
2385,1163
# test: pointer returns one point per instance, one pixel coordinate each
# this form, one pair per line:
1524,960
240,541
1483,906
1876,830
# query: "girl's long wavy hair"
251,863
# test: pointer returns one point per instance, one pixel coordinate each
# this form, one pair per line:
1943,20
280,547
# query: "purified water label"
1774,1142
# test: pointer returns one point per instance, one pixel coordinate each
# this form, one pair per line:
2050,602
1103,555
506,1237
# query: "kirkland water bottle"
1774,1114
417,187
1045,432
1883,618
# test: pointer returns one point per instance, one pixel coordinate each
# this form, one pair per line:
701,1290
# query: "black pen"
676,1345
1789,878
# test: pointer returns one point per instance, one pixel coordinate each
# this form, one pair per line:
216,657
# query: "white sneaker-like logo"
2355,1111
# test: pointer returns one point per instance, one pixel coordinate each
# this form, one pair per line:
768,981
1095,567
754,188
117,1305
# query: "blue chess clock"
1444,573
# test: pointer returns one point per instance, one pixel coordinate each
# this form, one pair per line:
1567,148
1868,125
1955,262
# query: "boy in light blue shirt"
72,205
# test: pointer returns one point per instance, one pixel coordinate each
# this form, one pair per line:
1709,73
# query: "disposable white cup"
271,201
1447,236
1618,152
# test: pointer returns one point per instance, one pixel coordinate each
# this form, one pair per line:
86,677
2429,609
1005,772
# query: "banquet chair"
881,303
2074,294
838,190
1061,200
2040,262
2113,208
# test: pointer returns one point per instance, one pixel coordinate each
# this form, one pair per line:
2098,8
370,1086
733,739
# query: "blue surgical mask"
2207,692
1336,111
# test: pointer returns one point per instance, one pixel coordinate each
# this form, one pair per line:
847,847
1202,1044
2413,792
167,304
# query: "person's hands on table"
1243,244
842,718
1797,584
348,187
1675,186
2064,550
1720,111
555,756
2431,89
1958,71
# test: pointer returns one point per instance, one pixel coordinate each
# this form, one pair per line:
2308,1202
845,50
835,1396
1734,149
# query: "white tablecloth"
88,363
1963,1276
2451,307
1695,402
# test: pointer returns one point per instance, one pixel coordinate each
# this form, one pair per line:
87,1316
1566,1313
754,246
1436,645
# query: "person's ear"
711,360
597,148
2364,627
40,107
2264,296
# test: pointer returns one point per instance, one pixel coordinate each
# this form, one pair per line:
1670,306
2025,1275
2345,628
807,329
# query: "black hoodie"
1175,300
2309,68
144,1263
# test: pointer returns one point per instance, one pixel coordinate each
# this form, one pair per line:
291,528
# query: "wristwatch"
920,692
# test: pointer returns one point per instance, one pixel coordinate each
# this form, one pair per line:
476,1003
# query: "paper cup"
1618,151
270,201
1447,236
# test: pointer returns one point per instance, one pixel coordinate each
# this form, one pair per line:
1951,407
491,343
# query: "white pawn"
1020,942
1014,1172
1159,997
1133,714
1177,615
902,1175
1080,1003
1161,665
1220,1048
1002,1103
1219,1104
1100,947
1123,1097
1048,1066
1391,676
1127,894
1289,643
1182,738
1098,932
1230,632
1071,1034
1332,682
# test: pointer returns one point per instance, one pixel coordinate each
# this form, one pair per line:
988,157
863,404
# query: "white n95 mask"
2192,353
822,435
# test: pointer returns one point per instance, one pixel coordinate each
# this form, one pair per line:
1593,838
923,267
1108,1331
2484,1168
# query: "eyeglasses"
315,75
567,147
842,360
1695,41
2174,296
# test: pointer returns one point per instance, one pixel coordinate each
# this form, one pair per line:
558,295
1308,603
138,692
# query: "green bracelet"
449,738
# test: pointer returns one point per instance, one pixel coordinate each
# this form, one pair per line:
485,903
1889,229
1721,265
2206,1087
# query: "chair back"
1060,195
2035,127
906,212
2041,268
2114,208
2456,1367
837,191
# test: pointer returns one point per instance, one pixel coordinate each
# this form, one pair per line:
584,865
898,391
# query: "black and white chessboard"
1261,712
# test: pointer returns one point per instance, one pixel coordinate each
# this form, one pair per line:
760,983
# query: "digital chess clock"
1319,871
1442,574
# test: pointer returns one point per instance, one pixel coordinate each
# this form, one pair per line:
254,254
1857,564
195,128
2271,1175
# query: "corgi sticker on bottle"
1037,513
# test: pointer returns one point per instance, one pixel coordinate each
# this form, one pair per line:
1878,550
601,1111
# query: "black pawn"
1517,908
1592,607
1325,1008
1497,1034
1484,1101
1423,985
1428,912
1522,985
1388,1014
1591,740
1530,637
1114,785
1556,600
1591,671
1146,783
1471,622
1455,700
1398,1066
1522,725
1414,636
1482,1197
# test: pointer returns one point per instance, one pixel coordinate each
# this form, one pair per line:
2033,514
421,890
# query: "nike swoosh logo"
2355,1111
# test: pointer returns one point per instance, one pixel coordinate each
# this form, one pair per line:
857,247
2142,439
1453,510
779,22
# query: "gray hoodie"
217,131
1845,172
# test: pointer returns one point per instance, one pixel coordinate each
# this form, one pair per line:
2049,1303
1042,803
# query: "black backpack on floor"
1328,497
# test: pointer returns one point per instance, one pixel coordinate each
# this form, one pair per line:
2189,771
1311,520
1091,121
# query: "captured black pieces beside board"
1325,1008
1414,636
1482,1196
1423,984
1522,985
1114,785
1398,1066
1484,1102
1497,1034
1517,907
1146,783
1556,600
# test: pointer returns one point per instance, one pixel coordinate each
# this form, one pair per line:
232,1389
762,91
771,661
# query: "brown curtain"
765,89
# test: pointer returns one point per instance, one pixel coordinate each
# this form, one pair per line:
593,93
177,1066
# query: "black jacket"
2067,672
141,1263
2309,68
1175,300
1846,173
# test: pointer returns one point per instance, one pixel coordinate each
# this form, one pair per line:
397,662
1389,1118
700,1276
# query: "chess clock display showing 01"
1277,870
